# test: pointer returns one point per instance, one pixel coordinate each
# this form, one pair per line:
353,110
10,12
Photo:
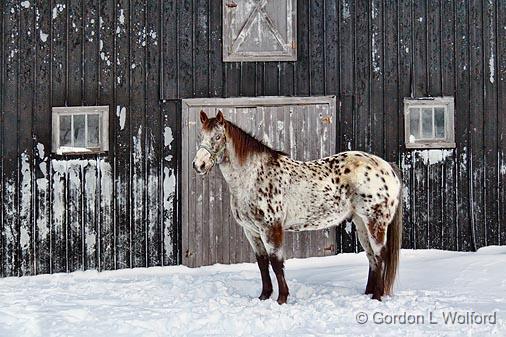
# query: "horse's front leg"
272,238
263,263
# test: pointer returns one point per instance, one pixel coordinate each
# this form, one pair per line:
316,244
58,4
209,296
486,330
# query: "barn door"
209,232
259,30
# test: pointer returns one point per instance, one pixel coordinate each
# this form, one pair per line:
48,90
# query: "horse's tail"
394,241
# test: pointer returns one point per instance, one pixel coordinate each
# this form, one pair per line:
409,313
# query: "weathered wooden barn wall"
92,212
142,57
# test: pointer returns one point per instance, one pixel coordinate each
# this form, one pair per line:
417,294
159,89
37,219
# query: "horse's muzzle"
200,169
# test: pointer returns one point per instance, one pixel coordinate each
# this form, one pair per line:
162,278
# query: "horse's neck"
239,176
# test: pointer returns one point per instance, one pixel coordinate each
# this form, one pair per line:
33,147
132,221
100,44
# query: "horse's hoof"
282,300
265,295
376,297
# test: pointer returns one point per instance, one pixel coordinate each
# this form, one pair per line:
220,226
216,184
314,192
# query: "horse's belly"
311,222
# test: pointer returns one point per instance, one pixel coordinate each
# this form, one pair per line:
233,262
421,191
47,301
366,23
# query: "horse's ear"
203,117
220,118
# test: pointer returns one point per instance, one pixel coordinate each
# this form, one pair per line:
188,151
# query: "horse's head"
212,145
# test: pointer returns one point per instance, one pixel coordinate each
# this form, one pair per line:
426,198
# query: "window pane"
65,131
79,131
414,124
427,123
439,121
93,130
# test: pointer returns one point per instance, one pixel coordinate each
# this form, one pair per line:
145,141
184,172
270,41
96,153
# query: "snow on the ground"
326,297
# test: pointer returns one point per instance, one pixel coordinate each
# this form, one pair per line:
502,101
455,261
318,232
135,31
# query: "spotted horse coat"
271,193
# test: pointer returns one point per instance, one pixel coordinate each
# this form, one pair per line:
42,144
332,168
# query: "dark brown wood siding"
141,57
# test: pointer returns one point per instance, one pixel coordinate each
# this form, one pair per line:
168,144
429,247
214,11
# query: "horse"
270,193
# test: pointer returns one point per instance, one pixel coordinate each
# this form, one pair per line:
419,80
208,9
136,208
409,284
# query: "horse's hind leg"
374,238
263,263
363,237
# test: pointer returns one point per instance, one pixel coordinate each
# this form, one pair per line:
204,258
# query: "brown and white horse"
271,193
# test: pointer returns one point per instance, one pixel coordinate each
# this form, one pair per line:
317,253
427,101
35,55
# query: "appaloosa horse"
271,193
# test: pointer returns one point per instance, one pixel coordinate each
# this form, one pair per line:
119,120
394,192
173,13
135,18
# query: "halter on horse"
271,193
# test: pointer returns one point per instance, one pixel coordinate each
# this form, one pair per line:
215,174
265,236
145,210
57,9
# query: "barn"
98,120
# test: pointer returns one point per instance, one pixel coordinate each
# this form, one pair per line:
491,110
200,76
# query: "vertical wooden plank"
302,67
476,127
74,56
435,185
58,217
420,209
10,231
91,45
317,47
391,103
74,214
215,65
490,117
419,27
25,147
232,79
106,65
90,218
193,223
154,137
462,123
377,70
501,120
405,55
2,67
331,38
201,41
170,57
172,141
286,79
346,71
408,218
139,134
186,64
123,133
434,48
362,76
271,78
449,235
248,79
106,229
41,131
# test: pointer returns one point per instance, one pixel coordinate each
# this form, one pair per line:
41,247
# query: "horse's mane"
245,144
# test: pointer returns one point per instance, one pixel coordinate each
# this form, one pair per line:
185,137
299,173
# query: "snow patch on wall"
346,10
43,36
121,114
25,202
435,156
58,9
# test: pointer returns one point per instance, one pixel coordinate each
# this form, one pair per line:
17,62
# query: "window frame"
447,102
102,111
290,54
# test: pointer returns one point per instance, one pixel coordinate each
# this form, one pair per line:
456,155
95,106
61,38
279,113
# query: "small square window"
429,123
80,130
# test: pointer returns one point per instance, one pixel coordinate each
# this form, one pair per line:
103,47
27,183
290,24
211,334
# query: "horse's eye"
218,137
